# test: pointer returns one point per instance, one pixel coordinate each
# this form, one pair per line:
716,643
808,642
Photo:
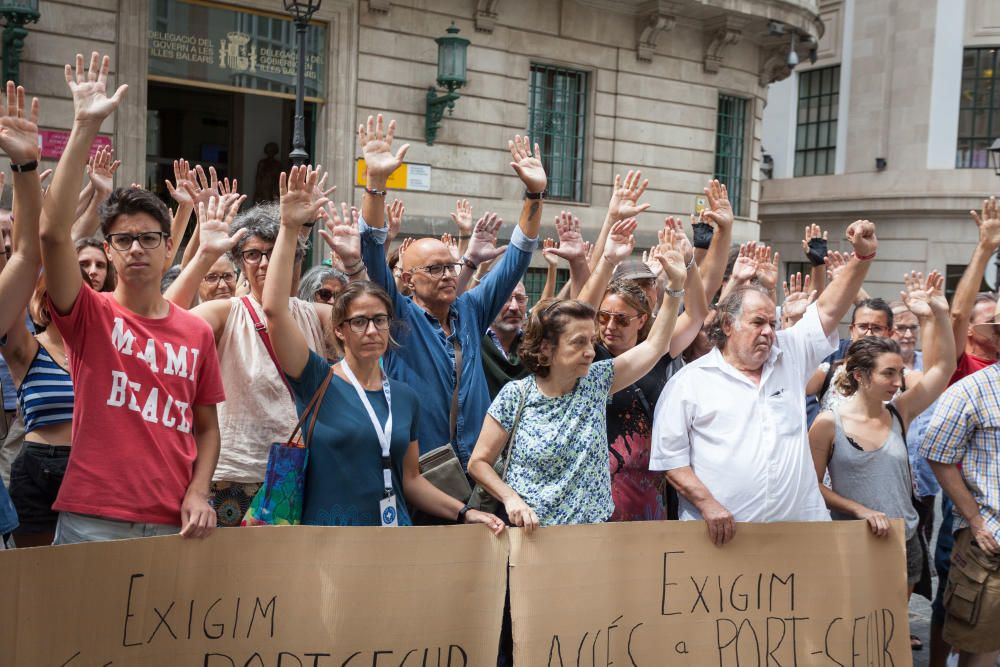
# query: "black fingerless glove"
703,235
817,251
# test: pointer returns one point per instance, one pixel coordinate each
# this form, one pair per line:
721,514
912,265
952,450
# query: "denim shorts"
73,528
35,478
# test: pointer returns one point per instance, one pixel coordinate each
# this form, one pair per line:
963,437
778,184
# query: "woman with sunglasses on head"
624,319
558,471
259,408
363,450
861,441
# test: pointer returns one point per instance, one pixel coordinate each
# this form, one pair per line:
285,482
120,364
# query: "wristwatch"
469,263
462,512
535,195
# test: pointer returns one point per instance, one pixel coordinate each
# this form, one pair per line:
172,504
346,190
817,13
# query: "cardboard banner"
289,597
650,594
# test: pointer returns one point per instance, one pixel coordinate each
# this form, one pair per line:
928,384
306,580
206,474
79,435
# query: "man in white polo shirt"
730,428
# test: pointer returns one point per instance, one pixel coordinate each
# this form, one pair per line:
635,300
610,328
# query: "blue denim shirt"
8,516
425,359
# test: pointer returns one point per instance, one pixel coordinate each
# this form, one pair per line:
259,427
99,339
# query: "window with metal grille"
557,121
534,283
978,108
816,127
730,139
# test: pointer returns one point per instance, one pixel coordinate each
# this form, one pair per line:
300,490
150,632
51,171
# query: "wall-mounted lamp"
16,14
793,57
994,151
451,75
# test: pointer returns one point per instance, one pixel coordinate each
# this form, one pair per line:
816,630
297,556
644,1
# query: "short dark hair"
548,321
875,303
129,201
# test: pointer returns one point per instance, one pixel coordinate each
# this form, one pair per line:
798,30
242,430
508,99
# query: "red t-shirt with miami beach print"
136,381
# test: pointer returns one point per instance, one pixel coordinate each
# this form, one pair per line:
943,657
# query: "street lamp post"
994,157
301,13
16,14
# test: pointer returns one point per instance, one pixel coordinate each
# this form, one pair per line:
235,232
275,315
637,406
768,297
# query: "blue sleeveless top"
46,393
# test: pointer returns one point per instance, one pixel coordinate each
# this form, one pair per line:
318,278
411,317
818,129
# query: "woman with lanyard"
363,458
861,441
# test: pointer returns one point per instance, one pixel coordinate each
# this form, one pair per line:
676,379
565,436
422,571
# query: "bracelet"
351,274
376,193
674,293
23,168
864,258
535,195
359,265
468,263
309,225
689,264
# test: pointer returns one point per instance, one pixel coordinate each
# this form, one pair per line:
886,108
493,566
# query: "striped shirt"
965,428
46,393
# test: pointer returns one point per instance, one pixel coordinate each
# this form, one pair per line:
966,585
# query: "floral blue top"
559,465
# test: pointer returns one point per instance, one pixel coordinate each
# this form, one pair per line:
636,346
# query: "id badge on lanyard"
387,510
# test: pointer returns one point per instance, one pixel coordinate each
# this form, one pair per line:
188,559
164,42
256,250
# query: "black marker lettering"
128,610
700,591
260,660
465,658
208,659
630,633
162,621
555,649
666,583
263,614
826,641
204,622
282,654
316,657
887,636
787,581
768,645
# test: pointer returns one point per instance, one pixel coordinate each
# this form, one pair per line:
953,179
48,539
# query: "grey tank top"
879,479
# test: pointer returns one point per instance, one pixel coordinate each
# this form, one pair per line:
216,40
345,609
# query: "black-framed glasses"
436,270
147,240
359,324
873,329
325,295
253,256
227,277
621,319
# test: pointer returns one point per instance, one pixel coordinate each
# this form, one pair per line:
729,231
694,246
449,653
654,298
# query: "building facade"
892,123
675,88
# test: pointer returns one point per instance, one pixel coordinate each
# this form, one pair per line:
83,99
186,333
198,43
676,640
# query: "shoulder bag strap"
513,429
266,339
313,405
453,413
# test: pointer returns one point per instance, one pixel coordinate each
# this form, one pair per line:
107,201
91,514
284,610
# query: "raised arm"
394,215
689,322
480,248
839,295
19,141
462,217
531,172
344,240
624,204
298,207
965,294
91,106
551,271
617,248
815,246
631,365
101,172
380,162
719,211
926,301
573,249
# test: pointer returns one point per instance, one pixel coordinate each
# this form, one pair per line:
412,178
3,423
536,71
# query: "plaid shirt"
965,429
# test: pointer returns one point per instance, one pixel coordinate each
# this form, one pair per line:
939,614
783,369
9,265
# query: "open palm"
19,139
90,92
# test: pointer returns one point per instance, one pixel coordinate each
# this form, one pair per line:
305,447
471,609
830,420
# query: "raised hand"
671,258
483,242
227,187
528,167
19,135
798,296
988,223
935,288
815,244
91,103
861,234
342,234
835,263
649,258
183,174
625,196
394,216
684,245
102,168
720,210
376,148
297,205
452,244
620,241
571,246
918,294
320,190
767,267
214,221
462,217
550,257
745,266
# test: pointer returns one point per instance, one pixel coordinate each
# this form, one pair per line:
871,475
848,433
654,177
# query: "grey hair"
313,279
985,297
730,310
262,221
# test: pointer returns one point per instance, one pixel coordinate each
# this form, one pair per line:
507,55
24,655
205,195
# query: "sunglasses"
621,319
325,295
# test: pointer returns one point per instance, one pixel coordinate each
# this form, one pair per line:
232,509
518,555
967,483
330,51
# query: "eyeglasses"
873,329
436,270
907,328
147,240
359,324
325,295
227,277
253,256
621,319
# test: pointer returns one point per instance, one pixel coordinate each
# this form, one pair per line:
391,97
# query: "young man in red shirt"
146,374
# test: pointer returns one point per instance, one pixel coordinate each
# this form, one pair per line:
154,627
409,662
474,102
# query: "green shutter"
558,123
730,139
816,130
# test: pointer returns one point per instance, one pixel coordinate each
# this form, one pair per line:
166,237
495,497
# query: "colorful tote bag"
279,500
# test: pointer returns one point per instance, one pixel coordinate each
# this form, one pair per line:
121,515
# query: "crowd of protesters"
142,392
